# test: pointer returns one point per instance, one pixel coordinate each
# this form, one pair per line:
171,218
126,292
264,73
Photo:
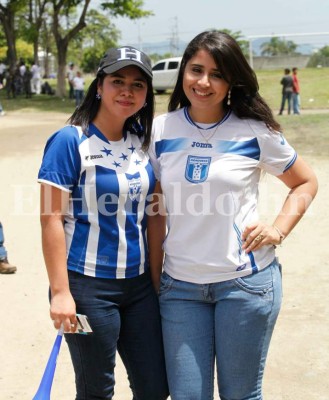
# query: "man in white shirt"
36,79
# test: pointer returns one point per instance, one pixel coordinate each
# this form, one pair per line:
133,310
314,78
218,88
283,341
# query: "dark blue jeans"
124,315
78,97
286,97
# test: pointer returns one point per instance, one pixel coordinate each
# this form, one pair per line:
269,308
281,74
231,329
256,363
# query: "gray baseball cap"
117,58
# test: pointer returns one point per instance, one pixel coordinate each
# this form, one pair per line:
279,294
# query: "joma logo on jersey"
93,157
203,145
197,168
135,187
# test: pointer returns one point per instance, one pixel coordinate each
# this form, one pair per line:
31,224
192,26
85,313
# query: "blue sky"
252,17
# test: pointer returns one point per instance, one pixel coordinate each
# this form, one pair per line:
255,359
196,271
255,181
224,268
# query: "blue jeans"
124,315
78,97
295,103
286,97
229,321
3,252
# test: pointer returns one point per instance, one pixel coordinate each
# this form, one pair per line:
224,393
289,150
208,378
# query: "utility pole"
139,37
174,40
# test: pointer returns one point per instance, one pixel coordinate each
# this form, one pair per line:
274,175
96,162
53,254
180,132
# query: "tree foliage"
8,13
99,35
132,9
320,58
55,26
277,47
238,36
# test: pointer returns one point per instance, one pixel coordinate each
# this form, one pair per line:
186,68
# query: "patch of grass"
314,87
308,134
314,84
42,102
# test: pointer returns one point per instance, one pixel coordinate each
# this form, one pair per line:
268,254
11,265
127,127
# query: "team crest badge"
135,187
197,168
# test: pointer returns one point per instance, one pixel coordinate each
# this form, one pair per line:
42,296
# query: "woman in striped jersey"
96,181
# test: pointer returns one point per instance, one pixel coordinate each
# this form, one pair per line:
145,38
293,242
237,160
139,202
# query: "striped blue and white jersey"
109,184
211,192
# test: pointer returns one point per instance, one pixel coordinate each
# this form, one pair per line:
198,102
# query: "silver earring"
98,96
145,105
229,97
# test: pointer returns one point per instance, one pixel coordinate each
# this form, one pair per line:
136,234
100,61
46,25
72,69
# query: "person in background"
296,92
22,68
95,181
36,79
70,76
220,290
3,69
2,112
27,79
5,267
287,89
78,85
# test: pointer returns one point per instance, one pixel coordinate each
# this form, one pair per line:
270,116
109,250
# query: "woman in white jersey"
96,180
220,290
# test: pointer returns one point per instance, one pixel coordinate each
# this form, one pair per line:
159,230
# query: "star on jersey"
107,152
132,148
124,157
116,164
137,162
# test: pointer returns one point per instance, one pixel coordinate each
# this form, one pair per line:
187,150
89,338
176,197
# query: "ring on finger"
259,238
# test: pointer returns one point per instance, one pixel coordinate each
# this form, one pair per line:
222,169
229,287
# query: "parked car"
165,73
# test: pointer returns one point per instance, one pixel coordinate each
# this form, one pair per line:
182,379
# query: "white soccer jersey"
109,182
211,193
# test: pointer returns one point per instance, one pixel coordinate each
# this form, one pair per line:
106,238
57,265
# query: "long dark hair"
139,124
246,101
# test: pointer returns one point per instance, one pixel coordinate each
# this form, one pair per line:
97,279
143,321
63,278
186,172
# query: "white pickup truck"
165,73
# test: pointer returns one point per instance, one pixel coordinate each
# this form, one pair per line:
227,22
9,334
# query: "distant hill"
165,47
161,48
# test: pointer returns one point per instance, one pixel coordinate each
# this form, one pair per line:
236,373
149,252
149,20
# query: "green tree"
277,46
63,36
238,36
321,57
90,45
133,9
8,13
67,18
32,21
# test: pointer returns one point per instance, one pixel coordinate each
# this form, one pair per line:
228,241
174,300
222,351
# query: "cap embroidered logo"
128,53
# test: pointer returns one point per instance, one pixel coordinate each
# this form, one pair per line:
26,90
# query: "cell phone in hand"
83,327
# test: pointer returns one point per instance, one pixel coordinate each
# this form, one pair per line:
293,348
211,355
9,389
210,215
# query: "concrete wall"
278,62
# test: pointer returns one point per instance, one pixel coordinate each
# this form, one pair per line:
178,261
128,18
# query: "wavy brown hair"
246,102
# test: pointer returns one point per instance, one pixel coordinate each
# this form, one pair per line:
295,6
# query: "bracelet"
282,236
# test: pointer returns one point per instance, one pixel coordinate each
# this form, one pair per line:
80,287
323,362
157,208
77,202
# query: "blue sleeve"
61,161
